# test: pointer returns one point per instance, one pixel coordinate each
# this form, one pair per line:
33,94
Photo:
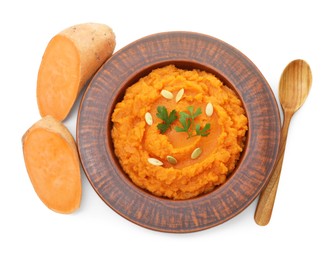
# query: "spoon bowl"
295,84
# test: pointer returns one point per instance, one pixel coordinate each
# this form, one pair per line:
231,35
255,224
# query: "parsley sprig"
202,131
186,119
188,124
167,119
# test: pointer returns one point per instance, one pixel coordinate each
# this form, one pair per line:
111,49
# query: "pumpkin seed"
209,109
171,159
179,95
167,94
148,118
155,161
196,153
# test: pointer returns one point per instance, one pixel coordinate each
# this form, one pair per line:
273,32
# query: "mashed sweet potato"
165,163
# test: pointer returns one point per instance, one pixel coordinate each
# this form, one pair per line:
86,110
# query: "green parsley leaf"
167,119
204,131
187,122
196,113
193,114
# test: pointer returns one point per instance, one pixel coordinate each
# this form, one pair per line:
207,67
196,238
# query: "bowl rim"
102,169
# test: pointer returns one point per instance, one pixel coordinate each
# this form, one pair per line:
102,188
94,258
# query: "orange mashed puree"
135,141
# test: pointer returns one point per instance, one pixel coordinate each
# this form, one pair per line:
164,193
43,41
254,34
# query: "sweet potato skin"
95,43
53,165
60,79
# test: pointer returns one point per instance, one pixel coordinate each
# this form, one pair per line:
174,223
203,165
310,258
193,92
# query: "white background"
270,33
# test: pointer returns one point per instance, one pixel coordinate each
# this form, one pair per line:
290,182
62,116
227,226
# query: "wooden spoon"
295,84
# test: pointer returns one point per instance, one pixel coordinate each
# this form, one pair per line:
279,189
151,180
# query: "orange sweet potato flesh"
71,58
53,165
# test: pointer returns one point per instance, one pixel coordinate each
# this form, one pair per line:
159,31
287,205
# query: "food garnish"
171,159
148,118
209,109
179,95
196,153
187,122
168,119
155,161
167,94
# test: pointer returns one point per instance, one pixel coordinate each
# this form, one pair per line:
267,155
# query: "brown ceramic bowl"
185,50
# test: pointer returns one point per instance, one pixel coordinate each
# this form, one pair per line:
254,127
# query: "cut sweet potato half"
53,165
71,58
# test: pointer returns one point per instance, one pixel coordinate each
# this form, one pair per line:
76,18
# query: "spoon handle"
267,197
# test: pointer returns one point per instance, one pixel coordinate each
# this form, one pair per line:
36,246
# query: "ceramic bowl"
186,50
